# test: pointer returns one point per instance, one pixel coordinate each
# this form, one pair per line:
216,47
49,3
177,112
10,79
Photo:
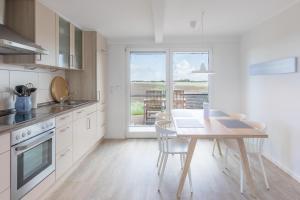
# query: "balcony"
149,98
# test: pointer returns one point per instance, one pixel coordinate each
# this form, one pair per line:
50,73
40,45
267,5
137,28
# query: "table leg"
187,163
246,167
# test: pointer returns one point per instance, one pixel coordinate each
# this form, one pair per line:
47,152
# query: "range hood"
12,43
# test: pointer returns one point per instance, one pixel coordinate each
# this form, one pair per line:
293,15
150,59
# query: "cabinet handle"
72,60
98,96
88,123
62,118
65,153
39,58
63,130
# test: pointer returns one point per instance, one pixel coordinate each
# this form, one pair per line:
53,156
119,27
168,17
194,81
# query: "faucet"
63,99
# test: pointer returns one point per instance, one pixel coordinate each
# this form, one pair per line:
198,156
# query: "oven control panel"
31,131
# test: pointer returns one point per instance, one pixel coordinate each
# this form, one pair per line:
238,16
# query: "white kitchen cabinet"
5,195
84,131
92,128
79,138
4,142
64,161
4,171
64,143
5,166
100,121
64,137
64,119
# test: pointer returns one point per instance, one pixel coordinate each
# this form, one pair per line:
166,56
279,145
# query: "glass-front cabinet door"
64,43
77,60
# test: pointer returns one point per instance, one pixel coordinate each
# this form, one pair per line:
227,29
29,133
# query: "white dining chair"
237,116
171,146
163,116
254,147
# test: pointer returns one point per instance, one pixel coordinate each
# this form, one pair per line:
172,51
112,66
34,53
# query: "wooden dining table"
191,124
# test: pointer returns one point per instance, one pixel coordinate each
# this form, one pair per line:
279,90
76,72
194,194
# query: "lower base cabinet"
5,195
64,161
79,138
4,171
84,132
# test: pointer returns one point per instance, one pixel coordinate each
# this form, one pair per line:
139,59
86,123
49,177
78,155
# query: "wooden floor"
126,170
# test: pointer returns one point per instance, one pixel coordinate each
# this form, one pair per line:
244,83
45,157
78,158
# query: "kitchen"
96,103
45,134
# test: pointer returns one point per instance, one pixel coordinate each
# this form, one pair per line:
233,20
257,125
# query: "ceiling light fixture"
203,68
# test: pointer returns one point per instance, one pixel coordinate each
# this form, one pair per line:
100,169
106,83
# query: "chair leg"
219,147
214,146
225,162
241,178
158,159
161,162
181,161
263,170
162,172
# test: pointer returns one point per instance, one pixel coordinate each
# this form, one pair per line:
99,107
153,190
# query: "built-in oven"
32,157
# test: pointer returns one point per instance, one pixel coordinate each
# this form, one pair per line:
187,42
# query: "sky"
152,66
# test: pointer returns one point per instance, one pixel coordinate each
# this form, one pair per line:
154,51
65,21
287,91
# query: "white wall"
274,99
224,87
11,75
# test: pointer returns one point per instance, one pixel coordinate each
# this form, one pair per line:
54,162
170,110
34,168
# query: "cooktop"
18,118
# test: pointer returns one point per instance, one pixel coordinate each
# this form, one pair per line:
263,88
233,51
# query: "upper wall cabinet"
36,22
89,84
77,49
64,38
69,45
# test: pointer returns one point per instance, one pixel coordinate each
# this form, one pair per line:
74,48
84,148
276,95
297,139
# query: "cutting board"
59,88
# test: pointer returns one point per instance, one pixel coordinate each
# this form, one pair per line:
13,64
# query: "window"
155,86
190,89
147,86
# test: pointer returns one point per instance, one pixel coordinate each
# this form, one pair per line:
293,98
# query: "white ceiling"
163,18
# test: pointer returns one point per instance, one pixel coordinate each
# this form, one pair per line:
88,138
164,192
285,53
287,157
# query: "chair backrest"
238,116
178,99
255,145
163,133
154,94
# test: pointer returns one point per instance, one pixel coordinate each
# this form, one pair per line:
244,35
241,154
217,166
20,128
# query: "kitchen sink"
71,103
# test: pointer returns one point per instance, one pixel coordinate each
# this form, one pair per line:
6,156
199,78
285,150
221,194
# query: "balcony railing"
147,105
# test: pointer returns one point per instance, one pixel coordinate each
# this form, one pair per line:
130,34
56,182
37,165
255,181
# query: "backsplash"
11,75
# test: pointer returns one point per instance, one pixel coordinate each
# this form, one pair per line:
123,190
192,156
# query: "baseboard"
283,168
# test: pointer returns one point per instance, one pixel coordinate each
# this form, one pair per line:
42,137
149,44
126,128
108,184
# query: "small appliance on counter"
24,101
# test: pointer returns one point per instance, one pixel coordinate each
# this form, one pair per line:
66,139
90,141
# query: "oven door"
31,162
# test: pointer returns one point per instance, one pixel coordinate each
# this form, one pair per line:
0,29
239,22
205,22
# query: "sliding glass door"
152,74
147,87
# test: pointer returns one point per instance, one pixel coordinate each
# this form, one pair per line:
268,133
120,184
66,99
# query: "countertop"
10,122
